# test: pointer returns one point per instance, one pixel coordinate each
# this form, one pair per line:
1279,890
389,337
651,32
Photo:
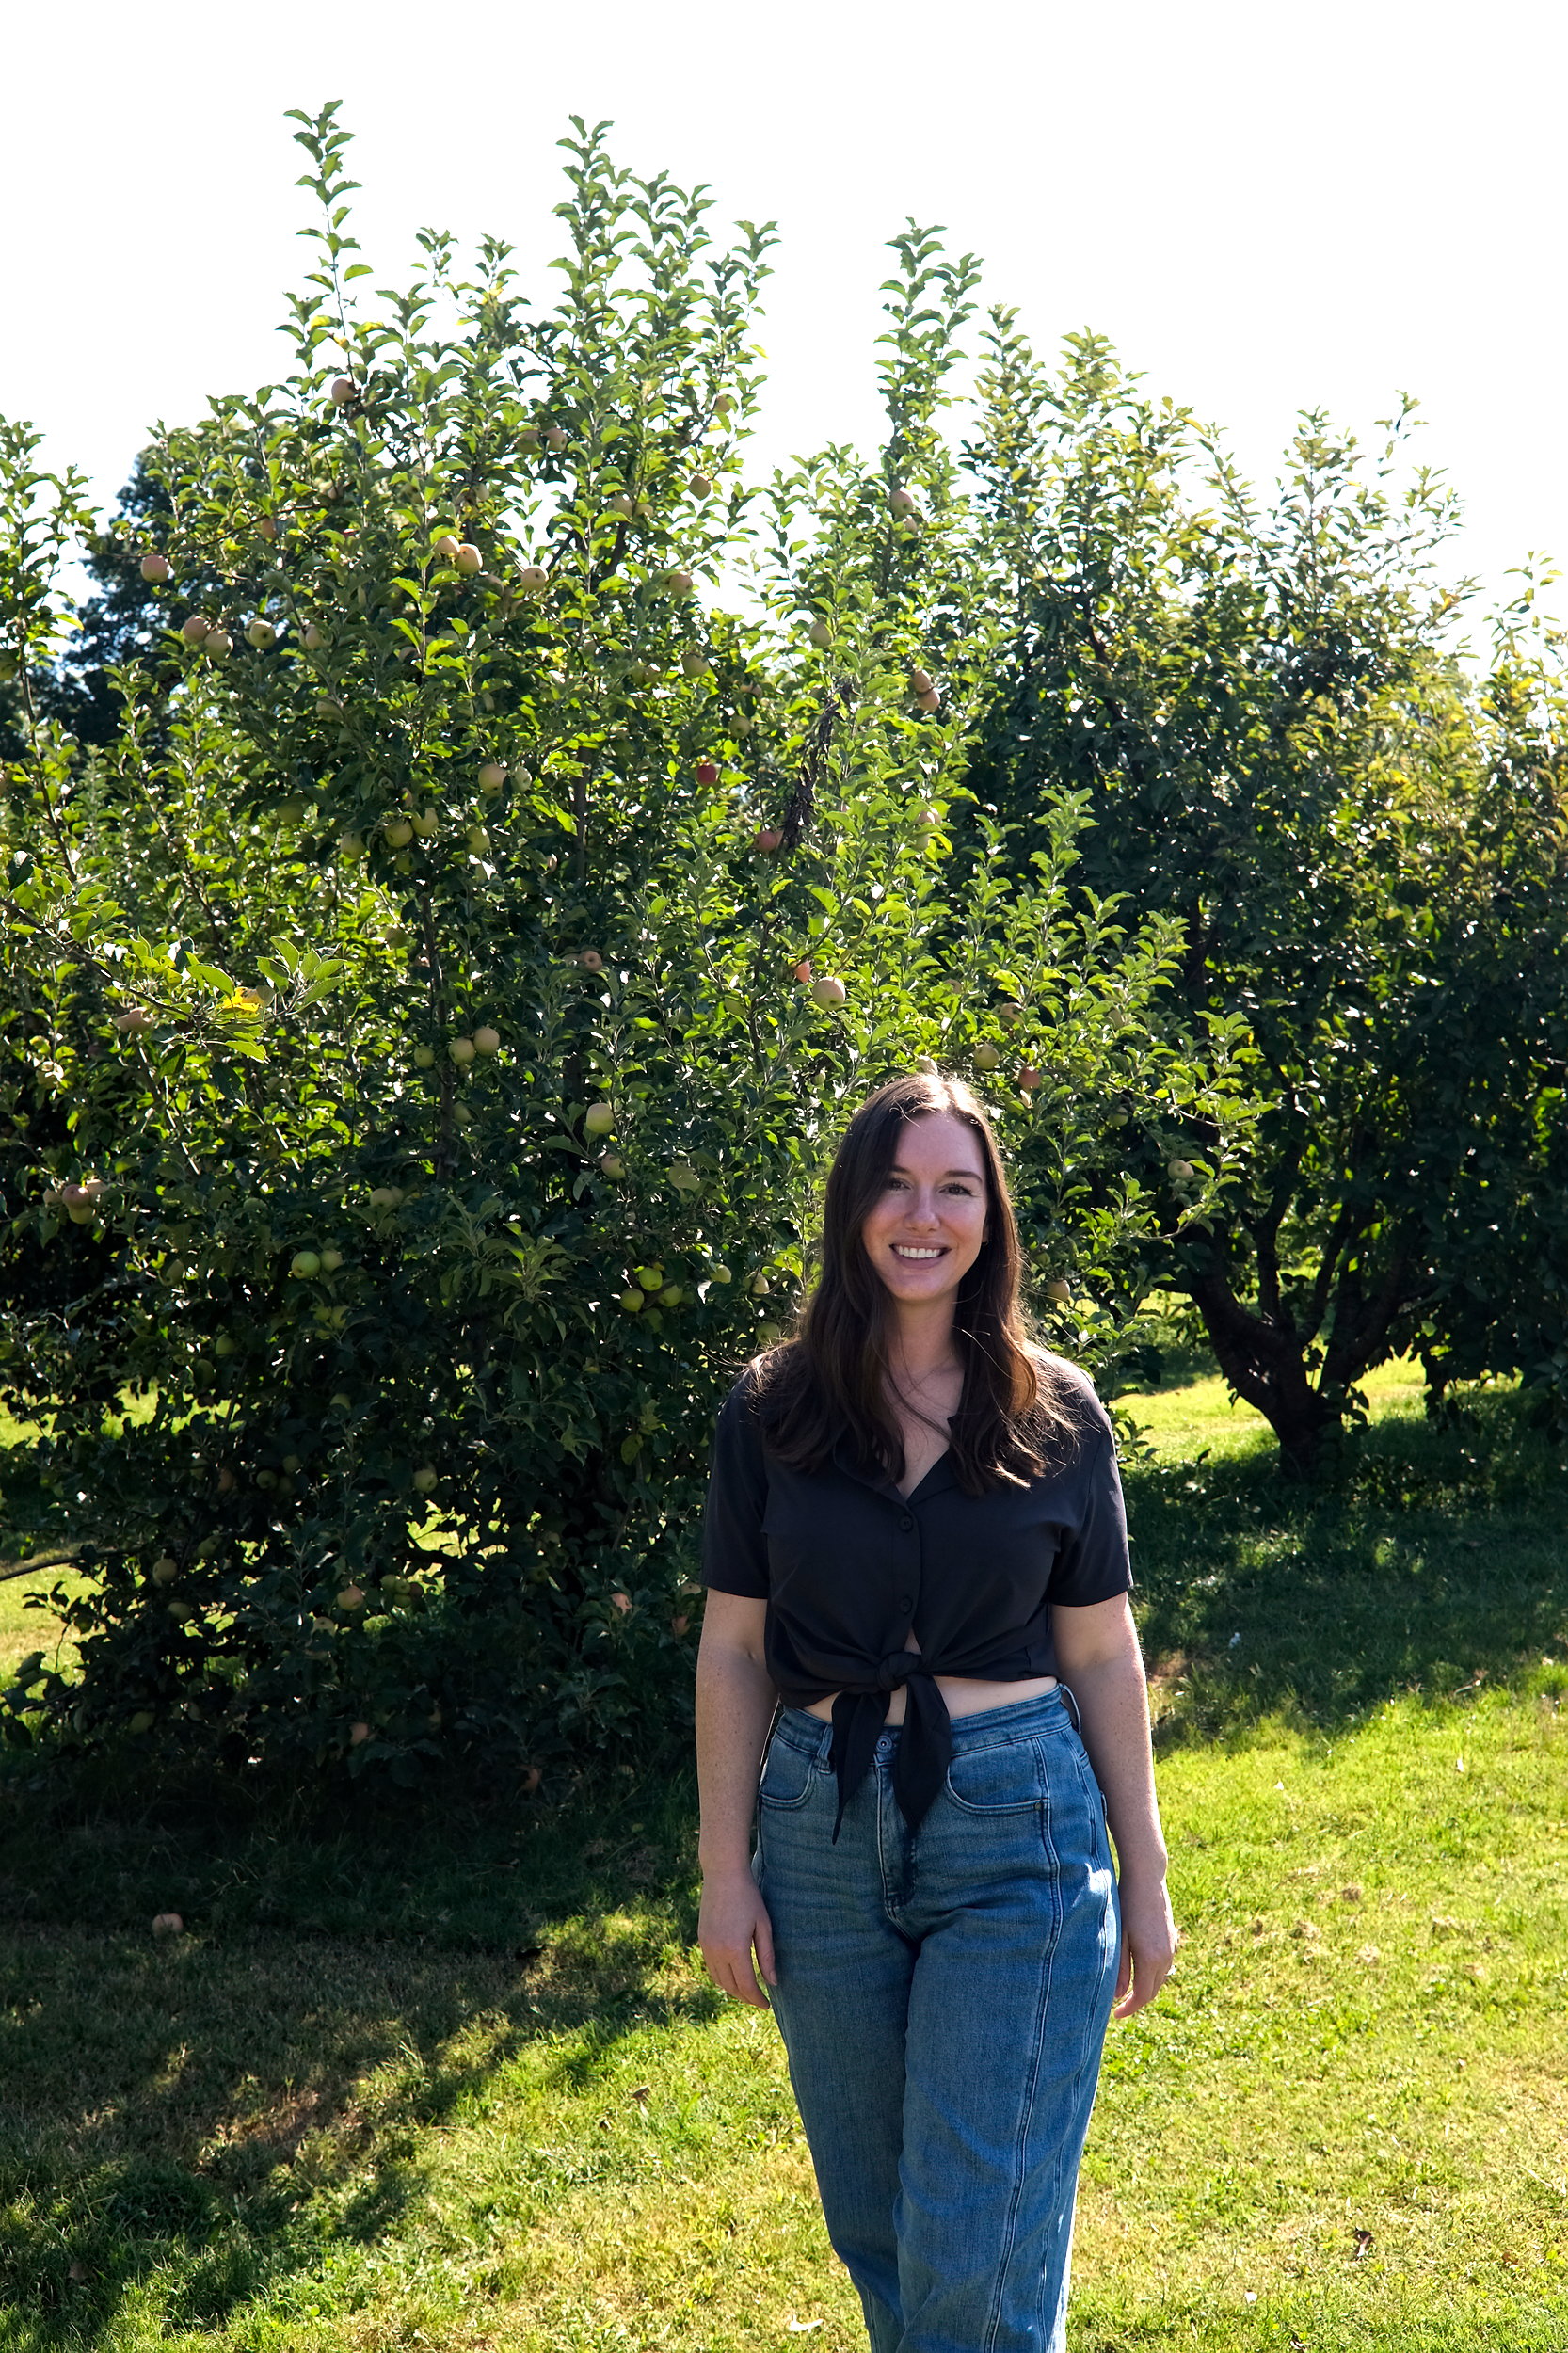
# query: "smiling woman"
913,1521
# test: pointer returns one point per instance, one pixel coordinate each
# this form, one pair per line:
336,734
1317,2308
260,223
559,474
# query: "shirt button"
906,1602
906,1523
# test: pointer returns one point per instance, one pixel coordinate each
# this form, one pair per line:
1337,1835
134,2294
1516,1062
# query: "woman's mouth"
918,1254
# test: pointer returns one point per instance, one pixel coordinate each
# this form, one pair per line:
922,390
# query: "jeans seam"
1021,2167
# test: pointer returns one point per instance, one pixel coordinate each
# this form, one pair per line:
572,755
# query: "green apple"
195,628
399,832
612,1164
528,438
632,1301
425,1478
701,485
313,638
492,776
557,438
461,1050
671,1296
351,845
225,1345
599,1119
261,634
693,663
424,1058
166,1569
478,840
217,645
759,1286
386,1196
486,1040
1181,1170
822,634
828,990
650,1277
720,1275
141,1721
620,503
340,1401
330,1261
724,404
305,1263
986,1056
1059,1291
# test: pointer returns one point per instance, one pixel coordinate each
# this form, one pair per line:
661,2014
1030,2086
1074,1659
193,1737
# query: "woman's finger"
762,1936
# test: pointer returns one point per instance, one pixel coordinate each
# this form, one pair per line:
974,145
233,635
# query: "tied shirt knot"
924,1753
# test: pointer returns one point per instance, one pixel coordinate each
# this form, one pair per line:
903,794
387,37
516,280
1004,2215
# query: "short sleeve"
734,1551
1094,1564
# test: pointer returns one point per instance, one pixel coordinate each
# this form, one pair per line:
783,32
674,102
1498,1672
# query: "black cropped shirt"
848,1568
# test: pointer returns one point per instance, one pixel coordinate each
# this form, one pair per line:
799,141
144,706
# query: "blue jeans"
943,2001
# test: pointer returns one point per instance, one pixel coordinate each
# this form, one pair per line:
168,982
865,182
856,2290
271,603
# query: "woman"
914,1528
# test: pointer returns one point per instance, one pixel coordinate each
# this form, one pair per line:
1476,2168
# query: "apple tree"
425,1015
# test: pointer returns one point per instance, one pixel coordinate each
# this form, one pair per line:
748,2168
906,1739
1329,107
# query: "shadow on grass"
213,2113
1430,1558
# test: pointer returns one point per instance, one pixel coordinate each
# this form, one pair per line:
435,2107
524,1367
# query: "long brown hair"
831,1382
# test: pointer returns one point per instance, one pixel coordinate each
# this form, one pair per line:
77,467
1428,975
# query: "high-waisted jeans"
943,2000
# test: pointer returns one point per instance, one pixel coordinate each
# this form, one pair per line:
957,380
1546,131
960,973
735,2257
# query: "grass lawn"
455,2082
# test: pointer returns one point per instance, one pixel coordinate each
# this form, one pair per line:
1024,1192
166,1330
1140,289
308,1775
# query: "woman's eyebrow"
974,1174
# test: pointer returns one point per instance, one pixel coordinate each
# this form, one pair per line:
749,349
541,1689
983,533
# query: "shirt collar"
938,1479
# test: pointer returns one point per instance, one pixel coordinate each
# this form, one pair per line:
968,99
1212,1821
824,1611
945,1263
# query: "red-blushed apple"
707,772
1058,1291
164,1923
599,1119
650,1277
767,840
358,1735
266,527
921,682
492,776
226,1481
313,638
133,1020
622,1602
829,991
986,1056
330,1261
680,582
821,634
486,1039
1029,1078
701,485
195,628
166,1569
679,1624
351,1597
217,645
533,579
901,501
591,960
930,819
469,558
425,1478
612,1165
631,1301
155,569
261,634
557,438
529,438
461,1050
531,1778
1011,1012
343,390
803,969
304,1264
932,701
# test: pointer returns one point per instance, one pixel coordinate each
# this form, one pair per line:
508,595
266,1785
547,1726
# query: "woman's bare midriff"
966,1695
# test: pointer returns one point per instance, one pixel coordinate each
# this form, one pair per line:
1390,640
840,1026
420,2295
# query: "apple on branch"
155,569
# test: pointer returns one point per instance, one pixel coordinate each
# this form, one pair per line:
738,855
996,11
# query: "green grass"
454,2080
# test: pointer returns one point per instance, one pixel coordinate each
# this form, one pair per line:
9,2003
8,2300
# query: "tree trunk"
1262,1360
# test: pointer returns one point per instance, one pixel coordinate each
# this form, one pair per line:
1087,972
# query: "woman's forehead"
939,1141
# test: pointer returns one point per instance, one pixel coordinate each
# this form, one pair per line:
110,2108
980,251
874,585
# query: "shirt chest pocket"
1007,1779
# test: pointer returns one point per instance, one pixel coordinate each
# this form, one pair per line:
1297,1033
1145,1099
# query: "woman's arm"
735,1703
1096,1649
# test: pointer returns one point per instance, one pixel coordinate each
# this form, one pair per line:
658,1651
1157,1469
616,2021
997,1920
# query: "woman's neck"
920,1344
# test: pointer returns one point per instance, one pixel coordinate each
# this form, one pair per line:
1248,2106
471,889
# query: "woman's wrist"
725,1865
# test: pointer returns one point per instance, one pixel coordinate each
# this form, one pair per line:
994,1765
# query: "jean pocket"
788,1776
1007,1779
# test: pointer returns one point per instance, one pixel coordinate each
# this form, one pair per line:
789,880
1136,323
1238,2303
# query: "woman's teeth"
907,1250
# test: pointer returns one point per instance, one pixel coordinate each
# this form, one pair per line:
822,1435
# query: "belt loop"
1072,1707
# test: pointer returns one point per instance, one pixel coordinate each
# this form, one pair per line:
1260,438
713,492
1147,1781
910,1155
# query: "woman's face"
925,1232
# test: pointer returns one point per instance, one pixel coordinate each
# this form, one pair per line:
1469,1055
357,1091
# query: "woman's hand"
732,1926
1149,1942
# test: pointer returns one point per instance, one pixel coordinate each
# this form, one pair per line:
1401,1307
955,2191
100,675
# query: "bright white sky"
1266,205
